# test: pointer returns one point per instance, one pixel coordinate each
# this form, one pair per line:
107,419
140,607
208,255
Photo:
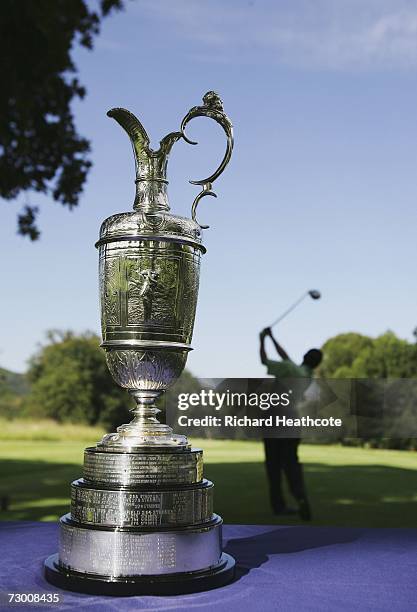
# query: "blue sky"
321,191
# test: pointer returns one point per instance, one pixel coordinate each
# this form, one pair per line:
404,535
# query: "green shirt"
288,369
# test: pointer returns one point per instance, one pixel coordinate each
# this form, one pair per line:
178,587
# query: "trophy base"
165,584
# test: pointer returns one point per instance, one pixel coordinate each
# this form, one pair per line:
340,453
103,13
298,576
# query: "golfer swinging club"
281,453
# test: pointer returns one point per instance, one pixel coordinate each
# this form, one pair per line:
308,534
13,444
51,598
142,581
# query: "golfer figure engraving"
142,518
150,281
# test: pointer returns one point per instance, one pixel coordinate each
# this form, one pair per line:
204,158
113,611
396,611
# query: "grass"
347,486
47,430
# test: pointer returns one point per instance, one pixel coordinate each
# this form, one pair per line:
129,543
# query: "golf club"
313,293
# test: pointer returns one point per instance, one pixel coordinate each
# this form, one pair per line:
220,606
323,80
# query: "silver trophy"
141,517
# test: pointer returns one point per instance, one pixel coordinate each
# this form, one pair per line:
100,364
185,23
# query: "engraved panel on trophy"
111,292
108,507
152,289
145,508
130,468
190,272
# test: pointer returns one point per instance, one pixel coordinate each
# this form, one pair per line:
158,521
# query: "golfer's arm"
283,354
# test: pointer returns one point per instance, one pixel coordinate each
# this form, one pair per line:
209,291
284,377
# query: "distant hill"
12,383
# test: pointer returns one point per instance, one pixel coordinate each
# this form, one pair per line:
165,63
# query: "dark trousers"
281,457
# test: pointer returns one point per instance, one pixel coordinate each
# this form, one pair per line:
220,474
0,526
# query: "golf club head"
313,293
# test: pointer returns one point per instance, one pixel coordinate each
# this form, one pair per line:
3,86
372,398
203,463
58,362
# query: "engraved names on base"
124,468
117,553
141,508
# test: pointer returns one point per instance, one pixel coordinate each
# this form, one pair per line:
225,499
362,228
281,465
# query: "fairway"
347,486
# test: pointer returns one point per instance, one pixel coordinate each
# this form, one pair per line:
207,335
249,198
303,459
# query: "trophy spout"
151,166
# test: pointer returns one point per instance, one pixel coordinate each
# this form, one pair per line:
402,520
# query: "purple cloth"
279,568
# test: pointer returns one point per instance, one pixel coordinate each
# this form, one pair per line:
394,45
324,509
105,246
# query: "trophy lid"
151,225
151,217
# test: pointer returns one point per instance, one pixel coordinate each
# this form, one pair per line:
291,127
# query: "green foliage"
387,357
13,388
13,382
385,408
340,352
40,147
355,356
70,382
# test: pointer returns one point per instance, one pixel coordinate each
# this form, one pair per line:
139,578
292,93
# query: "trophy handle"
213,108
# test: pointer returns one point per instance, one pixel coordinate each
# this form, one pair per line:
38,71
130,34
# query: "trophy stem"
144,429
145,411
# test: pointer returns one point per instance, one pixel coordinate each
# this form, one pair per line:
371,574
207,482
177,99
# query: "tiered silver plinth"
141,515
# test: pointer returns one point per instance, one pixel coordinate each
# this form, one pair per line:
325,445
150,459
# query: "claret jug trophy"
141,519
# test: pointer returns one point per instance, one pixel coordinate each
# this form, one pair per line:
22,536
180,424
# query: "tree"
13,389
352,355
40,148
340,352
70,382
387,357
383,391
